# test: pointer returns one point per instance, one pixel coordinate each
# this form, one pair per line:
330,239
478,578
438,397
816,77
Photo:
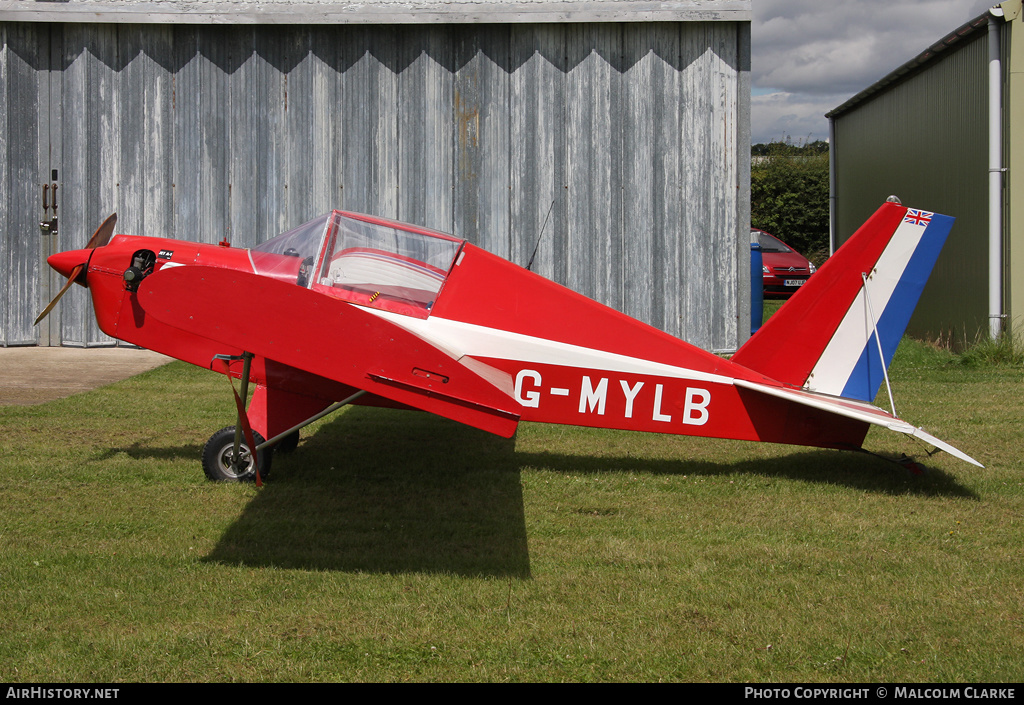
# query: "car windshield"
770,243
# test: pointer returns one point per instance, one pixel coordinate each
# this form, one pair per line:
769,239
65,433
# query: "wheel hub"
236,466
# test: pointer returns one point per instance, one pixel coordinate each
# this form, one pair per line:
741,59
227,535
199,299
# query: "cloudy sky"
809,56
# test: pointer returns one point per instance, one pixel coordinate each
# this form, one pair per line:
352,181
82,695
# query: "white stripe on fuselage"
836,364
457,339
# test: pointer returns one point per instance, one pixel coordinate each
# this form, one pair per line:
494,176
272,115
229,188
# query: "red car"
784,269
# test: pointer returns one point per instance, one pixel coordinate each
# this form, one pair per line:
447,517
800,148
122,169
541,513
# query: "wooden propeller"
99,238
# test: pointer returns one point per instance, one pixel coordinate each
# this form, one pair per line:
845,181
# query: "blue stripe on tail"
868,375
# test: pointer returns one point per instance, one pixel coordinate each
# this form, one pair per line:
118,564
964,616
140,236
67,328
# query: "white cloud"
795,117
809,56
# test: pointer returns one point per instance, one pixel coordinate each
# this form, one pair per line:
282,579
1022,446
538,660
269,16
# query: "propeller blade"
99,239
67,285
102,235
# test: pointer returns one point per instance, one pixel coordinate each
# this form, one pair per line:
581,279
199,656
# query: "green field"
394,546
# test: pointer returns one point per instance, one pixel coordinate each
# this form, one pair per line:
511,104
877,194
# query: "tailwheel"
220,465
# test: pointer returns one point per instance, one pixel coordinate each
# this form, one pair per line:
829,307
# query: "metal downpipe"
995,175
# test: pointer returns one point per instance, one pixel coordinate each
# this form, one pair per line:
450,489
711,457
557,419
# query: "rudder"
823,338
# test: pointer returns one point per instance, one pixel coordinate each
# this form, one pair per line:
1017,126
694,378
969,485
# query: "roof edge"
947,43
373,12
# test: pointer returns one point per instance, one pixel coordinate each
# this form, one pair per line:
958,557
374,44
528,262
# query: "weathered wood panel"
245,128
23,56
5,185
326,166
377,12
537,147
652,212
594,161
186,131
367,146
481,126
709,262
90,170
612,150
425,132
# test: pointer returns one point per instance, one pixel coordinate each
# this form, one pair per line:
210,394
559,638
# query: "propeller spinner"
73,262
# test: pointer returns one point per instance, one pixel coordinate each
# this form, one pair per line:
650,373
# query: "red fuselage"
534,350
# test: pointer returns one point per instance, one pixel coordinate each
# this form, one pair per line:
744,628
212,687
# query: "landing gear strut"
229,457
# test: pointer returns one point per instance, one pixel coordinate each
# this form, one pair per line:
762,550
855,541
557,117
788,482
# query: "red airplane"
351,308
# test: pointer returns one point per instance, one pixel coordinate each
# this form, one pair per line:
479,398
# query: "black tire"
288,443
217,458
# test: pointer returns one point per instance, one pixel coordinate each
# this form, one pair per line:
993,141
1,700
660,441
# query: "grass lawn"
396,546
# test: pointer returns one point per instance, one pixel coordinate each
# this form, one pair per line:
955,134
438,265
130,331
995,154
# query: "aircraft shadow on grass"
387,491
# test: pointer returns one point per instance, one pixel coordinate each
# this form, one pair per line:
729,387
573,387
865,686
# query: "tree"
789,195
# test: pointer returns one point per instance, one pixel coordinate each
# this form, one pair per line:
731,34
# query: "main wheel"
217,458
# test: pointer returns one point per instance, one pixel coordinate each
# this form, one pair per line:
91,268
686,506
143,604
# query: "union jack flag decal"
916,217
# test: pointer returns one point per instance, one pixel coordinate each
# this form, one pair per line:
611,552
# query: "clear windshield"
290,256
361,259
385,265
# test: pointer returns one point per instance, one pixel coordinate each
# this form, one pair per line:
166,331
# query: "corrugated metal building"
615,133
939,133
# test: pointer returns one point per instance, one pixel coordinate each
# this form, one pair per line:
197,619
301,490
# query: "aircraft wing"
330,338
854,409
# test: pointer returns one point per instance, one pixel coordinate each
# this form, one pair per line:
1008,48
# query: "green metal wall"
925,139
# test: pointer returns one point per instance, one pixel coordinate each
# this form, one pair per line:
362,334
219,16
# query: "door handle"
49,227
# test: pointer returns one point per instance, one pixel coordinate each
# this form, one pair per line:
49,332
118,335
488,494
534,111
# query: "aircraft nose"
65,262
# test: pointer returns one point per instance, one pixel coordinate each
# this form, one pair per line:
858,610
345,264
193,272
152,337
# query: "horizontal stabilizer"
854,409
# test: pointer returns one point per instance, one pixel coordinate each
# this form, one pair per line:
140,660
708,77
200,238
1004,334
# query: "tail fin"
823,338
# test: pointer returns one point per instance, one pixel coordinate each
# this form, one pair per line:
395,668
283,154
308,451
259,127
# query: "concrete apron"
33,375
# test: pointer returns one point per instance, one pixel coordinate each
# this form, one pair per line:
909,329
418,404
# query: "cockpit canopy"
368,261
